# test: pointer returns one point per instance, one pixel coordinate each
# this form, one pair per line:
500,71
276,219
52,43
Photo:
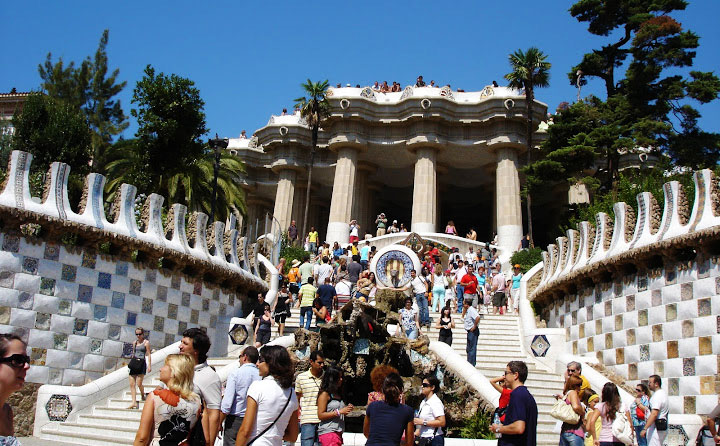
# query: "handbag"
639,413
564,412
273,423
136,364
661,424
621,429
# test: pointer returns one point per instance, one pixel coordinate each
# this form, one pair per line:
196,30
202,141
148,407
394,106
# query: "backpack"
621,428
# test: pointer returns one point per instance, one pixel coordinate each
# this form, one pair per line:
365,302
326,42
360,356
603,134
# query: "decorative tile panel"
58,407
540,345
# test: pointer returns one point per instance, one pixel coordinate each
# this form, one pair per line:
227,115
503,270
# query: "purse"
136,364
564,412
639,413
621,429
661,424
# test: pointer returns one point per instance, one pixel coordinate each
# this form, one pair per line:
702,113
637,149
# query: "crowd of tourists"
396,87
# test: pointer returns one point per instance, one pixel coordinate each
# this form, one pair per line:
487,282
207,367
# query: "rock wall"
643,294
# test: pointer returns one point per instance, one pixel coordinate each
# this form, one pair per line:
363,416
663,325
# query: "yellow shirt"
309,386
313,237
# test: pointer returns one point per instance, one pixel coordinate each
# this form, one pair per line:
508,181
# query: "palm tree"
529,70
314,108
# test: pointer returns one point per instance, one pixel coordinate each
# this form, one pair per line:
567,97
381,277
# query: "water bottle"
496,421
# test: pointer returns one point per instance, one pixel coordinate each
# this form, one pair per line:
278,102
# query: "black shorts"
143,371
280,318
263,337
294,288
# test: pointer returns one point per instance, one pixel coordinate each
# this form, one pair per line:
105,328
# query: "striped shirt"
307,295
309,386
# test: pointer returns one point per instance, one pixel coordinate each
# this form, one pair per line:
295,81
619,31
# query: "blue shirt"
387,423
522,406
365,253
516,280
235,400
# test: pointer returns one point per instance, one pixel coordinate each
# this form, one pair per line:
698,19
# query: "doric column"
424,208
284,197
507,199
342,196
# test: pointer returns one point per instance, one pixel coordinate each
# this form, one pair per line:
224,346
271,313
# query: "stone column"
342,196
358,200
424,209
284,197
507,199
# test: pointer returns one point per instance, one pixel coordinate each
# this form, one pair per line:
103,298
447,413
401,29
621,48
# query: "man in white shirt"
459,273
658,411
470,256
471,319
420,291
323,270
234,402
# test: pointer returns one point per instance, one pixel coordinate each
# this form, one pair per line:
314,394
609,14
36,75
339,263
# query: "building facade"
422,156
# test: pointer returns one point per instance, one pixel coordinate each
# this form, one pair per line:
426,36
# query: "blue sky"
248,58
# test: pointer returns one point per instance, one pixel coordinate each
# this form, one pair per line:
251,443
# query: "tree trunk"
309,183
529,97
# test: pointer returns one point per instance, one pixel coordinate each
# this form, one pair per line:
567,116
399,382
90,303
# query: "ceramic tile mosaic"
161,293
30,265
60,341
114,332
81,326
197,288
172,311
52,252
704,307
688,366
85,293
96,346
121,269
686,291
25,301
42,321
644,352
131,318
194,316
104,280
642,318
672,349
656,298
147,305
185,299
688,329
135,286
118,300
175,282
657,333
88,259
100,313
64,307
11,243
182,326
69,273
705,345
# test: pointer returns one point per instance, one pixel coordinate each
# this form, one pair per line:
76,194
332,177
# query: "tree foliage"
89,88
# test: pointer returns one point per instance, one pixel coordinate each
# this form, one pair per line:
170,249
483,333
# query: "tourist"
324,271
258,310
639,410
284,112
326,250
591,400
14,364
396,87
343,287
280,267
354,269
520,425
409,320
656,424
264,397
170,413
440,283
471,235
607,411
141,351
515,289
264,327
393,229
420,291
430,417
498,291
307,387
373,287
327,294
471,319
377,378
206,383
331,408
376,86
524,243
340,271
365,255
293,278
337,251
243,134
501,386
384,88
234,402
432,84
450,228
445,323
403,228
381,222
575,368
470,284
354,231
313,237
450,291
363,287
354,250
484,296
572,434
459,272
385,421
321,312
306,269
419,82
307,296
711,424
470,256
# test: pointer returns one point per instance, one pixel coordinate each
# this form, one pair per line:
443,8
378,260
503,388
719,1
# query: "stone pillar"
358,200
507,199
424,208
342,196
284,197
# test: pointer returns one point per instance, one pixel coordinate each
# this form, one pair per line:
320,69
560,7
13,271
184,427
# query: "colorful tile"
704,307
223,309
52,252
670,312
643,318
69,273
175,282
239,335
25,301
688,329
686,291
114,332
151,275
169,338
96,347
7,279
705,345
159,323
659,368
11,243
194,316
104,280
131,318
688,366
620,356
89,259
630,303
185,302
540,345
172,311
64,307
216,294
30,265
231,300
121,269
656,298
127,350
206,305
135,286
161,294
85,293
703,269
644,352
47,286
589,315
672,349
38,356
80,327
707,385
608,341
118,299
689,405
642,283
657,333
630,336
42,321
608,308
100,313
147,306
58,407
618,322
60,341
213,320
197,288
182,326
632,372
590,344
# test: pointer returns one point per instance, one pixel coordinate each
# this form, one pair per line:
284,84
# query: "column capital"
415,147
347,141
284,164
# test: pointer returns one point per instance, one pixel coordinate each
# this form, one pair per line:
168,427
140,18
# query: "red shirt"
472,281
504,401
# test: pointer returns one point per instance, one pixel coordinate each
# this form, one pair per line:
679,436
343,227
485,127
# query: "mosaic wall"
78,310
664,321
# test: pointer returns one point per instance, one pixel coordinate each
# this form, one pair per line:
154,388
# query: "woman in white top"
271,416
431,416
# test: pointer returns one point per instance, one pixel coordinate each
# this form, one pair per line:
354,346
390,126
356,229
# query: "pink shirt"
606,431
499,282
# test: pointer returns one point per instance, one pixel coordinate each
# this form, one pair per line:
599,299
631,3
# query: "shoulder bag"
621,429
564,412
273,423
136,364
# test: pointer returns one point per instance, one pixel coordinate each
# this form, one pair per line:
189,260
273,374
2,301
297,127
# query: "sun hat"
295,263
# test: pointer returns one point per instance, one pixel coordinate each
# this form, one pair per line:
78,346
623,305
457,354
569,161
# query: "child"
501,386
331,408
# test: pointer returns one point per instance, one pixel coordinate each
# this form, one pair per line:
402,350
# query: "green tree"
168,156
52,130
314,108
89,88
530,70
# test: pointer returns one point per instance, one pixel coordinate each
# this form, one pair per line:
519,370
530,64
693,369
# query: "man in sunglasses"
575,368
519,428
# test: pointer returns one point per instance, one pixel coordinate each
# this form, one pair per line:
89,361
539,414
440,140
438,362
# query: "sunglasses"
17,360
425,384
571,370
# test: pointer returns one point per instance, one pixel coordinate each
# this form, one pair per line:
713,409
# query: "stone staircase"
111,423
